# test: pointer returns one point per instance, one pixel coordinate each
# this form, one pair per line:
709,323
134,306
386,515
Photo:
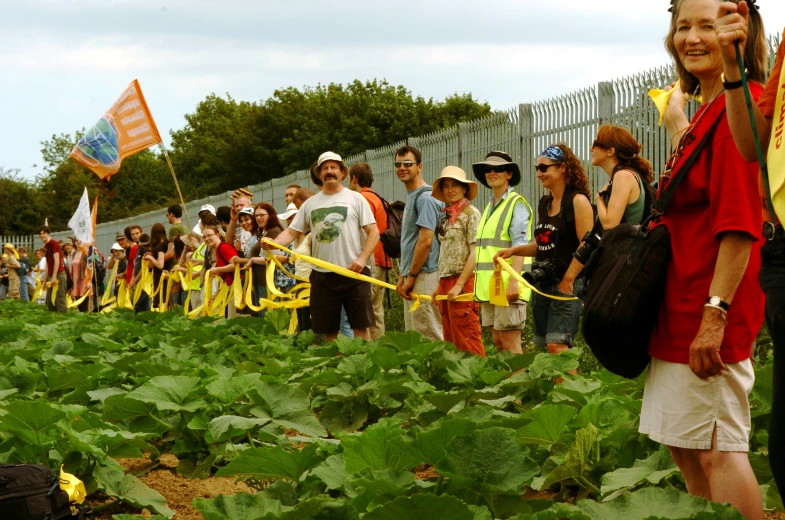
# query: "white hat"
117,247
327,156
291,209
246,211
208,207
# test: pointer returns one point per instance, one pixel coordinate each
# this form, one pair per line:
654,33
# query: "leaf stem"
159,421
250,438
439,484
106,506
587,484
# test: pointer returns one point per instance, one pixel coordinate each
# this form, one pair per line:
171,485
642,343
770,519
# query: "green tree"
20,204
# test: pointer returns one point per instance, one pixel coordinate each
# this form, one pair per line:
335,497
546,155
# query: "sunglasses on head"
407,164
542,168
496,169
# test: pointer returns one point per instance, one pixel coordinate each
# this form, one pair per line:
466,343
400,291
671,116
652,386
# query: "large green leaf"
576,462
120,407
652,470
288,407
30,420
422,507
240,506
666,504
491,460
547,423
227,389
379,447
130,489
273,463
227,427
175,393
332,472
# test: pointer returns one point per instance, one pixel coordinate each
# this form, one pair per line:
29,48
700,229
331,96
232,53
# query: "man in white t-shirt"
343,232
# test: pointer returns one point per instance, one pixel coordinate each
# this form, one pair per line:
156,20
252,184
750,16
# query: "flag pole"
176,184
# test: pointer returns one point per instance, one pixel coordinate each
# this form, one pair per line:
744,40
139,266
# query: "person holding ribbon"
266,225
55,278
159,245
223,253
343,233
505,222
564,215
696,395
457,234
78,274
733,27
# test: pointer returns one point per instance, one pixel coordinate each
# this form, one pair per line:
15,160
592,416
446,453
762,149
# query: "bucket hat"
11,248
208,207
291,209
327,156
497,159
453,172
116,247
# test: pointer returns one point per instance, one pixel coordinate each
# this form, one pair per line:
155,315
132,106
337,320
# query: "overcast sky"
64,62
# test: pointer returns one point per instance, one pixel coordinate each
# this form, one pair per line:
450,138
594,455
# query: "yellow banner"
776,157
125,129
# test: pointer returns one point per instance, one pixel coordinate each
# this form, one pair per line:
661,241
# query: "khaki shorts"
512,317
680,409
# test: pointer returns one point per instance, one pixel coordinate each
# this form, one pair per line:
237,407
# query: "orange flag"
125,129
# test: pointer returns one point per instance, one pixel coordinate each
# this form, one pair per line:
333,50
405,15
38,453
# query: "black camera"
541,272
591,241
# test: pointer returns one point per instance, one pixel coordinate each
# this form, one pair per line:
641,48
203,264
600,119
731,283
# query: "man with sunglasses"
506,222
419,248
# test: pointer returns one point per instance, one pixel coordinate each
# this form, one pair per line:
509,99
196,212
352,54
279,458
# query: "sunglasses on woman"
542,168
496,169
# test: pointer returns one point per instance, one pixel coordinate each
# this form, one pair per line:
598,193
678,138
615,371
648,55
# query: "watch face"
715,300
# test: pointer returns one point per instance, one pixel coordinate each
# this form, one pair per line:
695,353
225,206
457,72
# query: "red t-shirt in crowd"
129,270
223,256
52,247
719,194
377,208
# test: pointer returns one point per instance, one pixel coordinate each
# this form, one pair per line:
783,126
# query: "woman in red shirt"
223,254
696,398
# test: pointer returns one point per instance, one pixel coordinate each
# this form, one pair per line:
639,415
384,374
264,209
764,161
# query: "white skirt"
680,409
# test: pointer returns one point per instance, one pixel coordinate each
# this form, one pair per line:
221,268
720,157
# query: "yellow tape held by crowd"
108,298
358,276
39,289
73,304
73,487
661,98
507,267
53,290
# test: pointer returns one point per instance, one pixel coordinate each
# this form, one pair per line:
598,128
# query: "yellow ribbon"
73,486
358,276
661,98
108,298
53,290
72,304
39,289
507,267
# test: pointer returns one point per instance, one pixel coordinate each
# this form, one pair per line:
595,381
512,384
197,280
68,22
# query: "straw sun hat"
453,172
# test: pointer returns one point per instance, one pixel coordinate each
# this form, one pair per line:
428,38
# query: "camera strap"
658,208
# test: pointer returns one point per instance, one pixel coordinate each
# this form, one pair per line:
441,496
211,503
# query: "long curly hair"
272,217
574,175
626,149
755,52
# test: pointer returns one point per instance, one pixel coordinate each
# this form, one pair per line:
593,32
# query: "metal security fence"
522,131
26,241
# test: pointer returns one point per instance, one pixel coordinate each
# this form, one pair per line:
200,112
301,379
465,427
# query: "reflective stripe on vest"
493,235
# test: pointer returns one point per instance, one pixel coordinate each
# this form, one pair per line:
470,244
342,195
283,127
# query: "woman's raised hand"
731,28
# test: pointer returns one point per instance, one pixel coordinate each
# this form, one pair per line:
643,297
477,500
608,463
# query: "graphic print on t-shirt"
546,236
327,223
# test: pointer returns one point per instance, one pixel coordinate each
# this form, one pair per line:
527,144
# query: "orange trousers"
461,320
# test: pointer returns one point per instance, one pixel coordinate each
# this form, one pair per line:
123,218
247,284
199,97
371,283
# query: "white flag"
81,223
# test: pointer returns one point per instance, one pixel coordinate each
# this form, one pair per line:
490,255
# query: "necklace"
685,140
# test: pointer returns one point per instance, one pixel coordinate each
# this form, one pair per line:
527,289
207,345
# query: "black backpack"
625,284
391,238
32,492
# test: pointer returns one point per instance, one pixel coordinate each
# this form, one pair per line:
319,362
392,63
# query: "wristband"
730,85
413,275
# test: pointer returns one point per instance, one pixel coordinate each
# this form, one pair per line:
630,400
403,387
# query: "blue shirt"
426,214
519,225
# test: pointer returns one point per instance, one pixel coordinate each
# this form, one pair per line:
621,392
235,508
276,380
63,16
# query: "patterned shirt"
455,241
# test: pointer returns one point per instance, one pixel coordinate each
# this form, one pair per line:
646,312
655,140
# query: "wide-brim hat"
291,209
327,156
190,240
11,248
116,247
453,172
497,159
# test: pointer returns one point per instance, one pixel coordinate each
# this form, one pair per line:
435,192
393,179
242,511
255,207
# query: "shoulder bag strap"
658,208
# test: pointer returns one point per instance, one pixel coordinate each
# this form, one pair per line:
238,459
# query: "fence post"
526,136
606,102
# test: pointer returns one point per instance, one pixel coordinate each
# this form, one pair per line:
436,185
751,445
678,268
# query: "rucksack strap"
659,207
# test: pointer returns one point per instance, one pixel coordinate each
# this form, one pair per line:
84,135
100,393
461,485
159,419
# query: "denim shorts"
556,321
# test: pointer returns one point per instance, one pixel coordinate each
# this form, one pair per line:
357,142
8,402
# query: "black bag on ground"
625,283
31,492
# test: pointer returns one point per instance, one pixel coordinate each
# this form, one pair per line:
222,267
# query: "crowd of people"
727,271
